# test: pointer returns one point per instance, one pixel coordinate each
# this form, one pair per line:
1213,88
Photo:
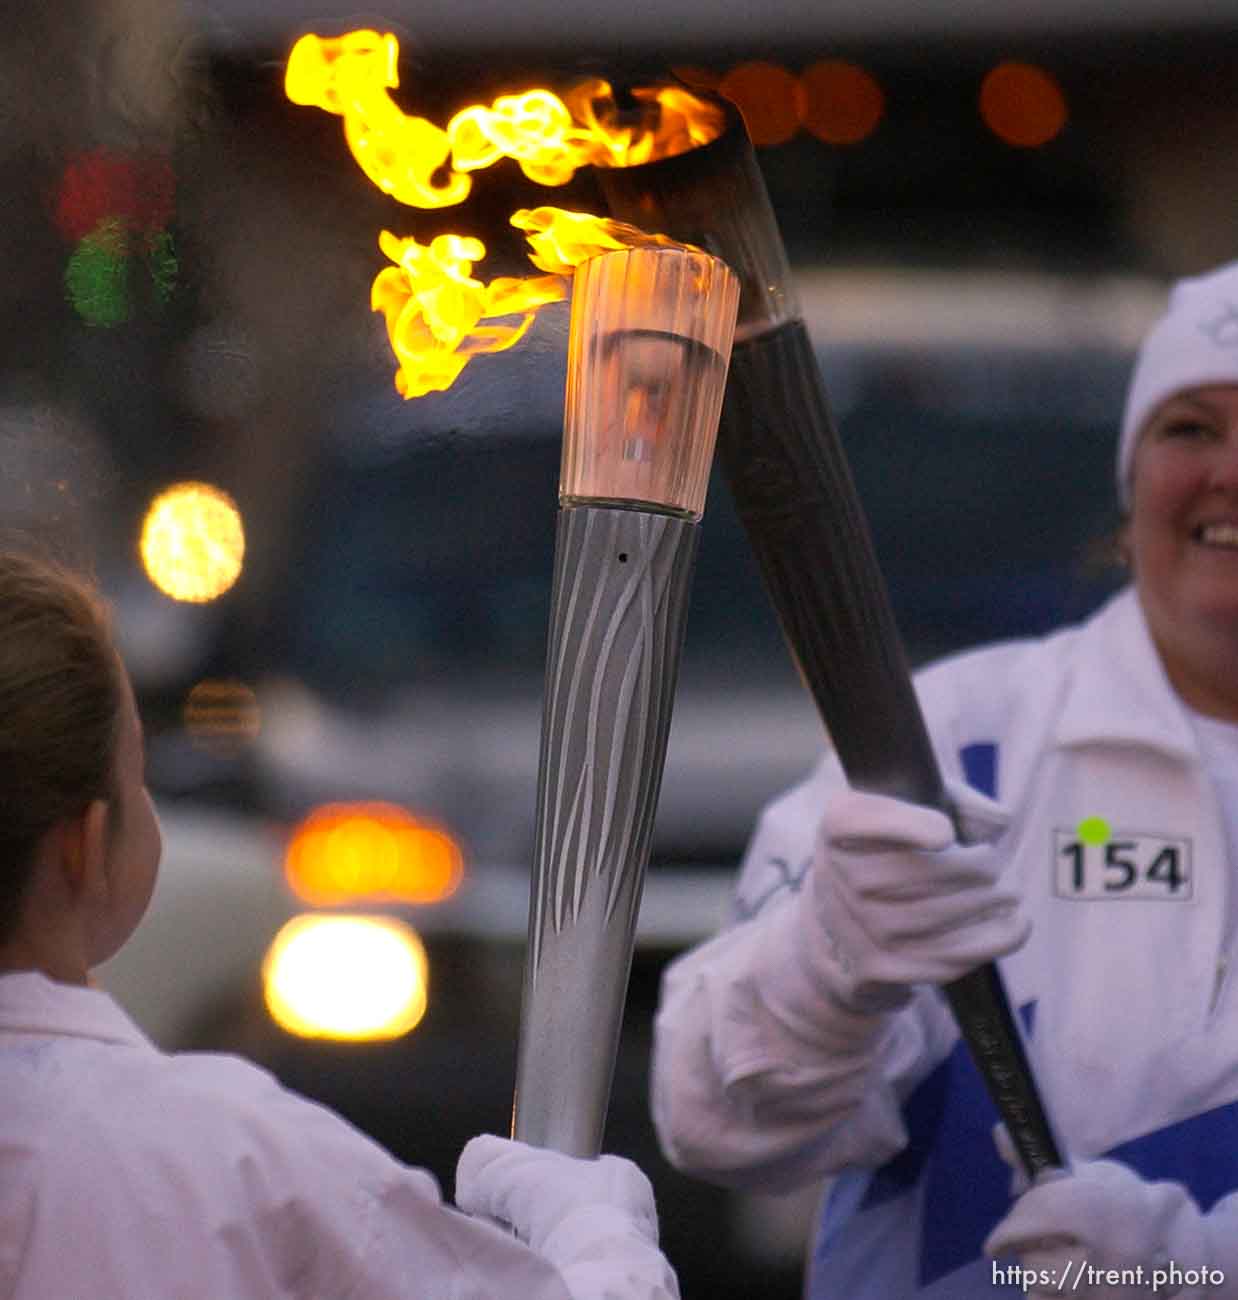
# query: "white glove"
595,1220
1101,1231
892,899
900,901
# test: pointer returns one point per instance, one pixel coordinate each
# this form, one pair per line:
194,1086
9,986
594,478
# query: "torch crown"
648,352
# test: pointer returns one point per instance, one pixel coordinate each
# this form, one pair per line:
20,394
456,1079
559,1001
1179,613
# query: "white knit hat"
1194,343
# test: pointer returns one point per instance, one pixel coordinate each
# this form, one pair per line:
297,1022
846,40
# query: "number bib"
1122,864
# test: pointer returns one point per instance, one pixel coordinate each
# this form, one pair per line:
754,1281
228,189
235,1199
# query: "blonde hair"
60,698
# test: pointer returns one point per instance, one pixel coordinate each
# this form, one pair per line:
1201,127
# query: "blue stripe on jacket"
949,1119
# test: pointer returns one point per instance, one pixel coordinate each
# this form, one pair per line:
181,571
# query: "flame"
550,138
670,121
434,307
560,240
350,76
433,304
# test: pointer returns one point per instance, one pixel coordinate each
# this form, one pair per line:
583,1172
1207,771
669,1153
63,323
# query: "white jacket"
128,1174
1133,1019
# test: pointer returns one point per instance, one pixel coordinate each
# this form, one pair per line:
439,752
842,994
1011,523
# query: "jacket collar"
1118,692
30,1003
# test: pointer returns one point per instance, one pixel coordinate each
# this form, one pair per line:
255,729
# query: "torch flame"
350,76
433,305
670,121
560,241
535,129
549,137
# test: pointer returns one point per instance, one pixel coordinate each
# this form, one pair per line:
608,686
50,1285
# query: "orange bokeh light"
842,103
1022,104
769,99
699,78
342,853
221,717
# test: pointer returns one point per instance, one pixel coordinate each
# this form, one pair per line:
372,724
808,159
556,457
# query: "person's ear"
84,847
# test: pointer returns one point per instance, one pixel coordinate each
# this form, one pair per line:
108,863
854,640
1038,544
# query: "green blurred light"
163,264
96,277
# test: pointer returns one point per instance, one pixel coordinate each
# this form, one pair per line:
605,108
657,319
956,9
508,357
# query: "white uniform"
129,1174
1119,846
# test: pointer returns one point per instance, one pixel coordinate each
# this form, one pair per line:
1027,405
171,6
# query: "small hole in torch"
623,557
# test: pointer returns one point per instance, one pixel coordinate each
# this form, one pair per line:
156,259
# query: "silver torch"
650,341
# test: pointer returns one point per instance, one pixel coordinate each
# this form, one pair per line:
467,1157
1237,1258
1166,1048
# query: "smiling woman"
1178,475
1183,538
809,1039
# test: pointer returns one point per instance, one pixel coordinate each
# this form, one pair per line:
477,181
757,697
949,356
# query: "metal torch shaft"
806,527
618,611
793,490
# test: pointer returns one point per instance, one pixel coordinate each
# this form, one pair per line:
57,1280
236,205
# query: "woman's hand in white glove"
1102,1231
594,1219
901,901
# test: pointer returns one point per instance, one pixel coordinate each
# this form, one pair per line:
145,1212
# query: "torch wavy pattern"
620,593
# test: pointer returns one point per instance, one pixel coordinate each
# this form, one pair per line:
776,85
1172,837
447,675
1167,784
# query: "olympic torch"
650,338
793,490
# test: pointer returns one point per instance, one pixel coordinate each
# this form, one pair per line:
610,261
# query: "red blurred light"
1022,104
137,191
769,99
842,102
698,78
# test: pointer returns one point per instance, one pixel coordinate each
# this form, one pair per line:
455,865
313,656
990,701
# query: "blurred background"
983,206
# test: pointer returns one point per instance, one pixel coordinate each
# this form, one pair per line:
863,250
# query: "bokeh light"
696,76
96,276
138,192
342,853
842,103
115,208
222,717
1022,104
193,544
162,263
354,978
768,98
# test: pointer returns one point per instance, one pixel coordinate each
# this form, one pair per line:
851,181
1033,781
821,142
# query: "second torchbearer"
650,340
792,486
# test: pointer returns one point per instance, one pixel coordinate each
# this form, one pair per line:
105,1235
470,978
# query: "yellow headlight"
354,978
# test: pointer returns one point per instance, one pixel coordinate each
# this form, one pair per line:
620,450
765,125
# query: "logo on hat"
1223,331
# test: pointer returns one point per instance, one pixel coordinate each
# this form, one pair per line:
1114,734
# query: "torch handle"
793,490
618,612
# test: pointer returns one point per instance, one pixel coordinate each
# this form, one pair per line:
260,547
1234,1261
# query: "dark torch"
793,490
651,331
